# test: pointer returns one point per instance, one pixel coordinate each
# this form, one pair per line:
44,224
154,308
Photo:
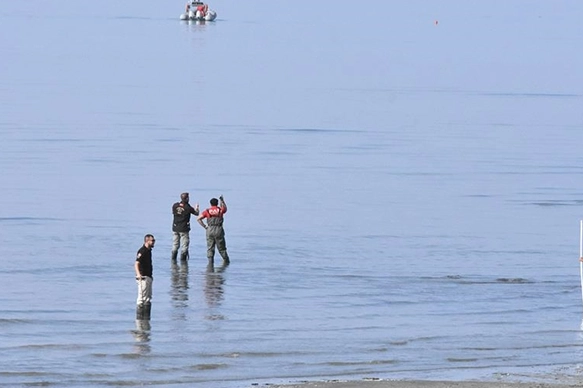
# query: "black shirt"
144,257
182,212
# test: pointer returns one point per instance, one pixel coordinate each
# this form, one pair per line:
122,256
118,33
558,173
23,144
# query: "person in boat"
203,8
187,10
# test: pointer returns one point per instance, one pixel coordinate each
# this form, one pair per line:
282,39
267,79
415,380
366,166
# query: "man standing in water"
144,271
215,234
181,226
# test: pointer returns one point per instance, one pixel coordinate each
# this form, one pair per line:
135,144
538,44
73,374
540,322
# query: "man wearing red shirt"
215,234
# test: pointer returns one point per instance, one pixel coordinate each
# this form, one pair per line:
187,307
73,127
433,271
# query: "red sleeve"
205,214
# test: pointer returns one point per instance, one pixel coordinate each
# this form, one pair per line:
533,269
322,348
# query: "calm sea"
403,181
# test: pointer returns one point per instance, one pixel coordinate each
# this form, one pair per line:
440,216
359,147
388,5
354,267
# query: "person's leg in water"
144,300
210,251
184,244
175,244
222,247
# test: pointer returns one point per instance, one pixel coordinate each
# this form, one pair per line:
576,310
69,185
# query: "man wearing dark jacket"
181,226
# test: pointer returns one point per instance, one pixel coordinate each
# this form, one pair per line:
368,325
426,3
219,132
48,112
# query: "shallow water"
403,194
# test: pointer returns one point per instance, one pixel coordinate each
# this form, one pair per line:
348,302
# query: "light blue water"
404,195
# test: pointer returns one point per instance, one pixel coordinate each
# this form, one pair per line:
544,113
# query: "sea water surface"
403,181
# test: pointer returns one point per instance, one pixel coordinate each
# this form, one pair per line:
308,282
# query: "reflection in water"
179,291
142,336
213,290
195,22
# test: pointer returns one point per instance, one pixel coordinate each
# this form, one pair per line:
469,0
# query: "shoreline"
421,384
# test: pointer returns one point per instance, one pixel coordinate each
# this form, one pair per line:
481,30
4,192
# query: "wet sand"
421,384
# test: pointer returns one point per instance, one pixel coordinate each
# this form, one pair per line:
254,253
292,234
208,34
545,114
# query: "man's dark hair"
146,237
184,196
214,202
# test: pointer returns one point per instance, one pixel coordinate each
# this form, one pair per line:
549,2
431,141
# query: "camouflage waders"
215,236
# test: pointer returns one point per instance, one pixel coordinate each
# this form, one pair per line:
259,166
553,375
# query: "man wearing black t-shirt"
181,212
144,271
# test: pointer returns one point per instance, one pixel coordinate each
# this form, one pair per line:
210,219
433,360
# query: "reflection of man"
213,289
181,212
142,336
180,283
215,234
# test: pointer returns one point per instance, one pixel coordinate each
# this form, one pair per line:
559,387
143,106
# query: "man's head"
184,197
214,202
149,241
